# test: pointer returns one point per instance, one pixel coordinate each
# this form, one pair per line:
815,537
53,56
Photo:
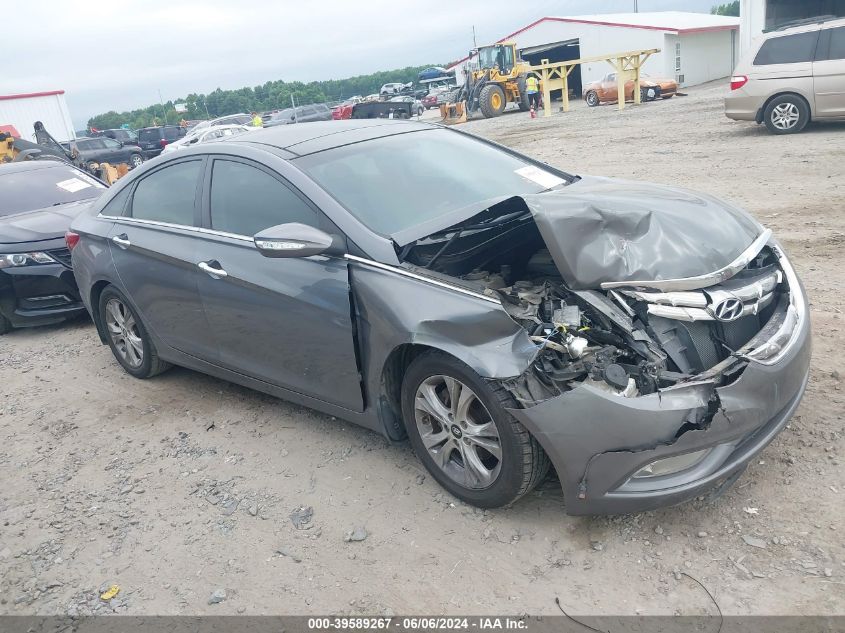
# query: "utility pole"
161,101
293,103
636,8
474,43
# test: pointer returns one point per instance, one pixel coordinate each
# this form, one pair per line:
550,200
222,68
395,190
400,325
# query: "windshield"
500,57
396,182
41,188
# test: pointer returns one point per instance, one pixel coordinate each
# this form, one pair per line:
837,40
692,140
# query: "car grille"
700,328
61,255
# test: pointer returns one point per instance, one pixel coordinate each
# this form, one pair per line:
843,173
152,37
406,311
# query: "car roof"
31,165
307,138
808,24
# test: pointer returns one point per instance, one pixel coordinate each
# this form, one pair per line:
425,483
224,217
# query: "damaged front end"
645,388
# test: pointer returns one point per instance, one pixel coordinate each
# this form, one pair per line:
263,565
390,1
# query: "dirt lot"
182,485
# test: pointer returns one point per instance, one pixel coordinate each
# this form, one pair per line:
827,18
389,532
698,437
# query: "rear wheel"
127,337
786,114
592,98
492,100
135,160
524,101
460,429
5,325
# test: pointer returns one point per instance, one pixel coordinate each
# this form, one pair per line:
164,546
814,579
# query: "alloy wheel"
785,116
123,330
458,432
137,160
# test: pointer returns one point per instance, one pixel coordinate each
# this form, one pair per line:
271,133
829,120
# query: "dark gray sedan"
645,341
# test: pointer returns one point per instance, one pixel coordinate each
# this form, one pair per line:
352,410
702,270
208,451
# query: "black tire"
491,95
786,114
524,102
523,462
592,98
150,364
135,160
5,325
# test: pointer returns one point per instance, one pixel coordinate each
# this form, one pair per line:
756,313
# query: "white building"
760,15
23,110
694,47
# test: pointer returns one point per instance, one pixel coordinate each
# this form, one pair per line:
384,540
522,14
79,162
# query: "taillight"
71,239
738,81
163,142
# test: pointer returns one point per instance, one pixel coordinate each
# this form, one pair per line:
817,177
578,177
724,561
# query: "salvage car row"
473,305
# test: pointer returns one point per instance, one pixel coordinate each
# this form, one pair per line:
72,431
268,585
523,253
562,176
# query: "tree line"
728,8
270,96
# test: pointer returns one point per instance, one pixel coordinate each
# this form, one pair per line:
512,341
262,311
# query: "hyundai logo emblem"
728,310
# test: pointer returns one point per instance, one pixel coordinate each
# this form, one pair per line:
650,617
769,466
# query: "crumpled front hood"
601,229
41,224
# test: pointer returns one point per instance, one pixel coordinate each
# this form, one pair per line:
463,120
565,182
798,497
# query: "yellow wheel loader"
498,80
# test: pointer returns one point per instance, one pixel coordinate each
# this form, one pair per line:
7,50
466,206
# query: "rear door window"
787,49
246,200
832,44
168,195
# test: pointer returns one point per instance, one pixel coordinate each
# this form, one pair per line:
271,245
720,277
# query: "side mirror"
297,240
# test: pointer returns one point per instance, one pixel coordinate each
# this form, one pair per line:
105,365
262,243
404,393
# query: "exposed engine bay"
631,341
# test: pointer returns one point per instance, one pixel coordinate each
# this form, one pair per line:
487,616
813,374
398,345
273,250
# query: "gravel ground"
180,489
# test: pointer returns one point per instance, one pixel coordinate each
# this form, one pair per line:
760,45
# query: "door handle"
214,271
121,240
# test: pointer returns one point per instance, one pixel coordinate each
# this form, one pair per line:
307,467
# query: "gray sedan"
506,317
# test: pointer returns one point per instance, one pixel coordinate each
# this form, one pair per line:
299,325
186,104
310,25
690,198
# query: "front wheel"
786,114
460,429
592,98
127,337
492,101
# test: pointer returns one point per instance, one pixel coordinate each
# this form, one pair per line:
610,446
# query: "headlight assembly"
25,259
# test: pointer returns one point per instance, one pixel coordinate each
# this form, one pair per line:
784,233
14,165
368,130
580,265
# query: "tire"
492,480
136,160
592,98
644,93
786,114
93,166
5,325
669,96
127,337
492,101
524,102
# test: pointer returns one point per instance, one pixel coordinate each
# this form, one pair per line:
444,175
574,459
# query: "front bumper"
598,440
39,295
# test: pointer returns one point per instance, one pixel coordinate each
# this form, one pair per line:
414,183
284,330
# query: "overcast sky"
117,54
